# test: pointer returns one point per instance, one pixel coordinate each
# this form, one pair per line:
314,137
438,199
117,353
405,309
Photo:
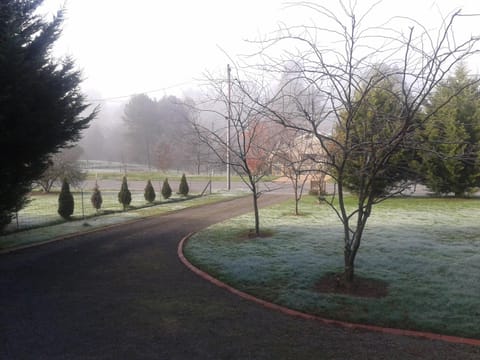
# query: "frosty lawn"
427,250
45,207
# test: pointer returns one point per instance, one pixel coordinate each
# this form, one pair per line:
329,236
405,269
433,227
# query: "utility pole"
228,125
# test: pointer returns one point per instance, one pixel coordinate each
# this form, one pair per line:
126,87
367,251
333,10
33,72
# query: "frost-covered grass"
42,209
59,227
160,176
427,250
136,175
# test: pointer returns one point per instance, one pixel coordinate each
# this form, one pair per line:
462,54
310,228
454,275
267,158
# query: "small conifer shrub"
149,192
65,201
96,198
183,188
124,196
166,189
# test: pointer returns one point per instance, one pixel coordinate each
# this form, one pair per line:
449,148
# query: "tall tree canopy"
141,118
451,161
156,128
40,100
374,149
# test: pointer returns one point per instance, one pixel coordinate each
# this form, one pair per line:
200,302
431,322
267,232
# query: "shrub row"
66,202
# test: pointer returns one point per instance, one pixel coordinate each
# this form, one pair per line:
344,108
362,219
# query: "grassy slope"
428,250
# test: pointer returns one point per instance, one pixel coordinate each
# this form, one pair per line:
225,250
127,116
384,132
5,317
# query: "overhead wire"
99,100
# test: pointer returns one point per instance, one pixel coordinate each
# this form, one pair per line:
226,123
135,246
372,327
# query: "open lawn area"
427,250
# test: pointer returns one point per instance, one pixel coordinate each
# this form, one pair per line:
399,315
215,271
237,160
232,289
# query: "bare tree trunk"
255,210
349,254
352,244
349,268
295,186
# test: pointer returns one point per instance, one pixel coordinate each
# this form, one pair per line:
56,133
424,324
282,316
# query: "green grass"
49,225
144,176
427,250
42,209
160,176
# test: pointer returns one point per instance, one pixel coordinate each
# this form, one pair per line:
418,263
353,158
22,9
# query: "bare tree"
248,129
63,165
165,156
297,158
373,83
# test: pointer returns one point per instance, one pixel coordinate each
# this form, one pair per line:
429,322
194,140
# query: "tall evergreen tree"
375,165
141,120
149,192
124,196
183,188
65,201
157,130
40,100
452,136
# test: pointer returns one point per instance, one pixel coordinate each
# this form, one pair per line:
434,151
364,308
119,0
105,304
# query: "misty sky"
126,47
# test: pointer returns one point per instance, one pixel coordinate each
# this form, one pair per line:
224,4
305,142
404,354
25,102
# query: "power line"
140,92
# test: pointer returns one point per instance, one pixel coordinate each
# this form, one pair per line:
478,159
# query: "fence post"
83,208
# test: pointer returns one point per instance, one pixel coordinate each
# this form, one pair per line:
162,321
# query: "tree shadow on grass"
249,234
334,283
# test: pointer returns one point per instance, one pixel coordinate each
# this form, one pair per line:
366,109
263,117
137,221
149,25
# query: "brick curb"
343,324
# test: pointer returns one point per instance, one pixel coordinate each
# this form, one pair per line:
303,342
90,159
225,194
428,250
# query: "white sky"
133,46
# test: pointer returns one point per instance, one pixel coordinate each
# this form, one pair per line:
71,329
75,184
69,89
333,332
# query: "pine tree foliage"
183,188
124,196
149,192
96,198
65,201
156,130
451,161
375,164
166,189
40,100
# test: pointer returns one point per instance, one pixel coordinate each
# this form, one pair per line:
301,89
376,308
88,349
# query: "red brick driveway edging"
287,311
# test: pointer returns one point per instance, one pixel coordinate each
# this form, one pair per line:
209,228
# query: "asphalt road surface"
122,293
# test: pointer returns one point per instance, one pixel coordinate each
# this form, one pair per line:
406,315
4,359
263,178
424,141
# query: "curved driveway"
122,293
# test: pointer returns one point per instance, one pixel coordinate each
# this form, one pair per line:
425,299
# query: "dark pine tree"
149,192
96,198
40,100
451,163
124,196
166,189
183,188
65,201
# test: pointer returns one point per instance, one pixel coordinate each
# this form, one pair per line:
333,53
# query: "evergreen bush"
183,188
124,196
96,198
166,189
65,201
149,192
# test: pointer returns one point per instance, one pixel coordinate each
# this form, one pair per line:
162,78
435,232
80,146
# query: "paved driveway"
122,293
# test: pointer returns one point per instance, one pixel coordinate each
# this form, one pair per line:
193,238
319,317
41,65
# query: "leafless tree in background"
63,165
297,157
248,127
